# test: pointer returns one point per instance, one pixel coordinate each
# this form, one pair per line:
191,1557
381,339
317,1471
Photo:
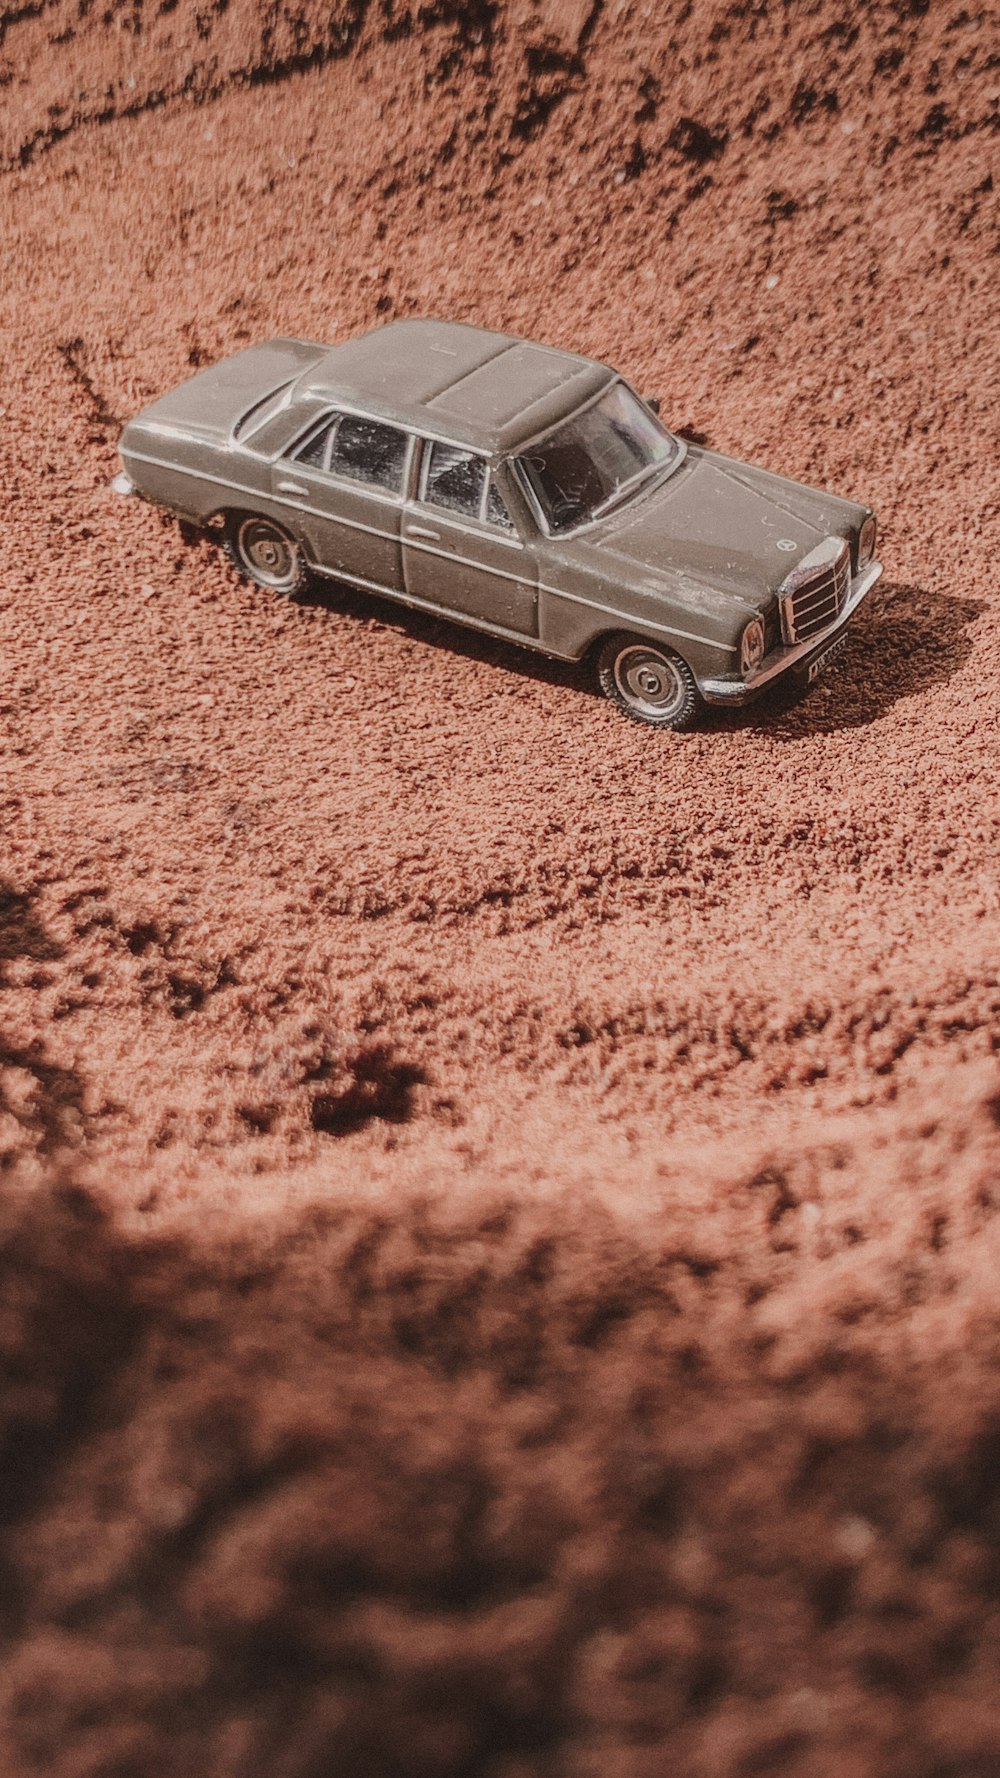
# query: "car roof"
489,390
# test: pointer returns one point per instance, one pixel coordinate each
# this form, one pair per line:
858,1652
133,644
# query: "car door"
461,550
341,489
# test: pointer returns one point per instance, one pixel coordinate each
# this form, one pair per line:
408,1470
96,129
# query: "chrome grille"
816,591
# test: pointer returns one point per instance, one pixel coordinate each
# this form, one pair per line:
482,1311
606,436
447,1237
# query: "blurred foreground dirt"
500,1207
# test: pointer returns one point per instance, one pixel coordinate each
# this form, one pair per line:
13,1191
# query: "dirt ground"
501,1221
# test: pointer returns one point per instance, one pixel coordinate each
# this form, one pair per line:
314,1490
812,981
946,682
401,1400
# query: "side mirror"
653,402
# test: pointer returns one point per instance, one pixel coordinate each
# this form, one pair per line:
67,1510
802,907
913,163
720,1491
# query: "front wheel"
266,553
651,684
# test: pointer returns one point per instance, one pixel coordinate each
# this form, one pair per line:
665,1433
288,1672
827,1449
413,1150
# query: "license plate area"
822,661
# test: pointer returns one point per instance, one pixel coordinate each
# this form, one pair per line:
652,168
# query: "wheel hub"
648,681
267,552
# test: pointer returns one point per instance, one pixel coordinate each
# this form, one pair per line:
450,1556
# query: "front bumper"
798,657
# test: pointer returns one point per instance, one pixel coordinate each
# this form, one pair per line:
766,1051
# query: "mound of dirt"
540,1312
516,1488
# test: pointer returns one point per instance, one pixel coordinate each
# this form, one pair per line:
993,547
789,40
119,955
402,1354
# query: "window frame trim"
523,480
518,537
428,445
510,529
328,425
330,421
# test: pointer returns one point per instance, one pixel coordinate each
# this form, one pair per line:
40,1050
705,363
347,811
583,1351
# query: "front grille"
816,591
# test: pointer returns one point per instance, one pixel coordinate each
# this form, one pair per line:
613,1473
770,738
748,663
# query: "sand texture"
499,1239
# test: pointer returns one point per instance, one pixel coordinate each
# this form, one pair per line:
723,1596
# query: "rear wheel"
650,683
266,553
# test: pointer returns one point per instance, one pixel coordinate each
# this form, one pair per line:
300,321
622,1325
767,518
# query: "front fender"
575,611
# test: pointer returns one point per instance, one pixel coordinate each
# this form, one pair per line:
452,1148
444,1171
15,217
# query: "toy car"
528,492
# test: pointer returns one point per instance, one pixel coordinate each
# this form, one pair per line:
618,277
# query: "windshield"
593,458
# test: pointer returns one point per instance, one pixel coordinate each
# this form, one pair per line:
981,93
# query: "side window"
454,478
460,481
368,451
496,511
314,451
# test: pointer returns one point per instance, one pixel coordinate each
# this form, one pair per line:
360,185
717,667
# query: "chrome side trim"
781,659
493,629
394,500
450,555
459,616
642,624
490,534
219,481
527,638
222,481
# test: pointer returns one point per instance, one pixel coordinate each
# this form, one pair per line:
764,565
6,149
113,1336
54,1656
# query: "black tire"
650,683
264,552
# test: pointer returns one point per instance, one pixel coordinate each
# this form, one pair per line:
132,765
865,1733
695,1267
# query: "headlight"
752,646
866,541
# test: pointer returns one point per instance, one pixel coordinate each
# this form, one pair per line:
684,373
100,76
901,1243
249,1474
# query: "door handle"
422,531
291,488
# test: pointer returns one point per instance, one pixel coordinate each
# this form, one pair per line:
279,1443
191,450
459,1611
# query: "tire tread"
229,543
611,647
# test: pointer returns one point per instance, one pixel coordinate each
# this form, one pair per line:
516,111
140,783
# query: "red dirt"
576,1348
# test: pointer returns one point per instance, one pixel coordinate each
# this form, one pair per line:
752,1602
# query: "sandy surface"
577,1146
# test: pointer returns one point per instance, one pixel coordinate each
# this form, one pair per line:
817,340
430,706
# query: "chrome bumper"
784,660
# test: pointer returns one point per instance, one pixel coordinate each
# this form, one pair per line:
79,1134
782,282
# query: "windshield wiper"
626,488
635,481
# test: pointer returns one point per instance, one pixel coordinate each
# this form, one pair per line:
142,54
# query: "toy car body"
522,490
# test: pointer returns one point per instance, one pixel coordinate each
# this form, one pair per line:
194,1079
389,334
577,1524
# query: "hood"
209,405
720,524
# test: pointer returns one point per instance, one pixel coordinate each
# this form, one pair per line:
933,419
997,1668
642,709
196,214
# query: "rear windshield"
598,457
256,417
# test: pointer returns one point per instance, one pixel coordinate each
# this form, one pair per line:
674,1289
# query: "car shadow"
449,635
905,640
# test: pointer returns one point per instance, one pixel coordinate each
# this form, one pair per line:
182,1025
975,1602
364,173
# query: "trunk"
208,406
